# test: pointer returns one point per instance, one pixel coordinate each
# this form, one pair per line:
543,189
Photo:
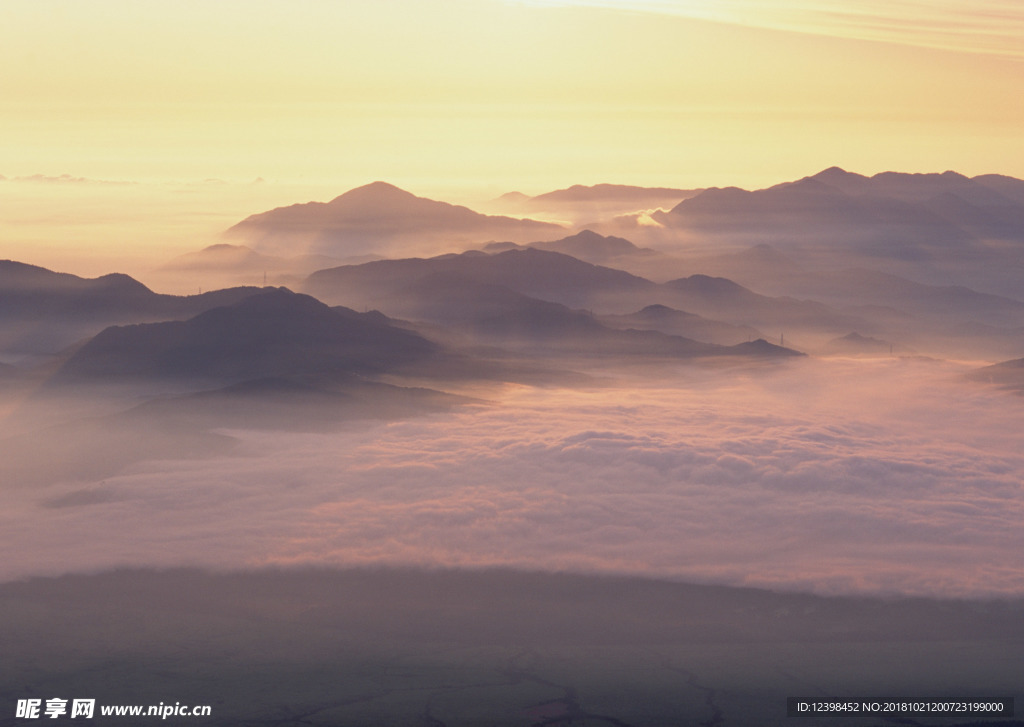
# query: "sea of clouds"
831,476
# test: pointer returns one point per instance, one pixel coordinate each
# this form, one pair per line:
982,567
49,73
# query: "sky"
204,113
981,26
530,94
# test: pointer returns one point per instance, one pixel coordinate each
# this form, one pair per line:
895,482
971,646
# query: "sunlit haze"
489,93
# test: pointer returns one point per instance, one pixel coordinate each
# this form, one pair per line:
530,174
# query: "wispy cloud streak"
984,26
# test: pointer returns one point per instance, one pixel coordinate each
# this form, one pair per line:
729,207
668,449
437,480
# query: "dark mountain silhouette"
946,320
585,245
809,208
512,198
848,182
220,255
890,215
907,303
853,344
30,290
592,247
940,302
452,298
1000,219
1009,187
762,348
540,274
911,187
576,333
680,323
497,315
723,299
275,333
757,265
1008,374
552,328
391,286
42,311
373,218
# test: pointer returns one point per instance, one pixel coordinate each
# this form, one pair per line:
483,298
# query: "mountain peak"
947,176
584,235
590,246
225,248
713,197
12,270
590,238
837,176
122,282
274,333
376,192
761,347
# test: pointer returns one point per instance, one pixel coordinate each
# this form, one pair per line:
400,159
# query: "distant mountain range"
536,273
774,273
813,259
837,263
901,216
580,202
271,358
675,322
810,208
1008,374
585,245
409,288
275,360
982,190
378,218
854,344
42,311
499,316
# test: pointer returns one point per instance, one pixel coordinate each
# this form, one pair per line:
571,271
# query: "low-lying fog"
824,475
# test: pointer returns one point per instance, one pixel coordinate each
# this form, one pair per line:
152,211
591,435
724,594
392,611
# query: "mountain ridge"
275,333
377,215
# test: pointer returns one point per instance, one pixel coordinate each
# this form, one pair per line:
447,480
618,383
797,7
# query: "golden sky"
467,99
532,94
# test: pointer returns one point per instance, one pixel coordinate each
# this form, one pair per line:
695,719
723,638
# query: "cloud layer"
833,476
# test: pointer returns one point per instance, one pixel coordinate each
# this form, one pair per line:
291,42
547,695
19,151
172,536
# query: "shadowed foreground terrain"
498,647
